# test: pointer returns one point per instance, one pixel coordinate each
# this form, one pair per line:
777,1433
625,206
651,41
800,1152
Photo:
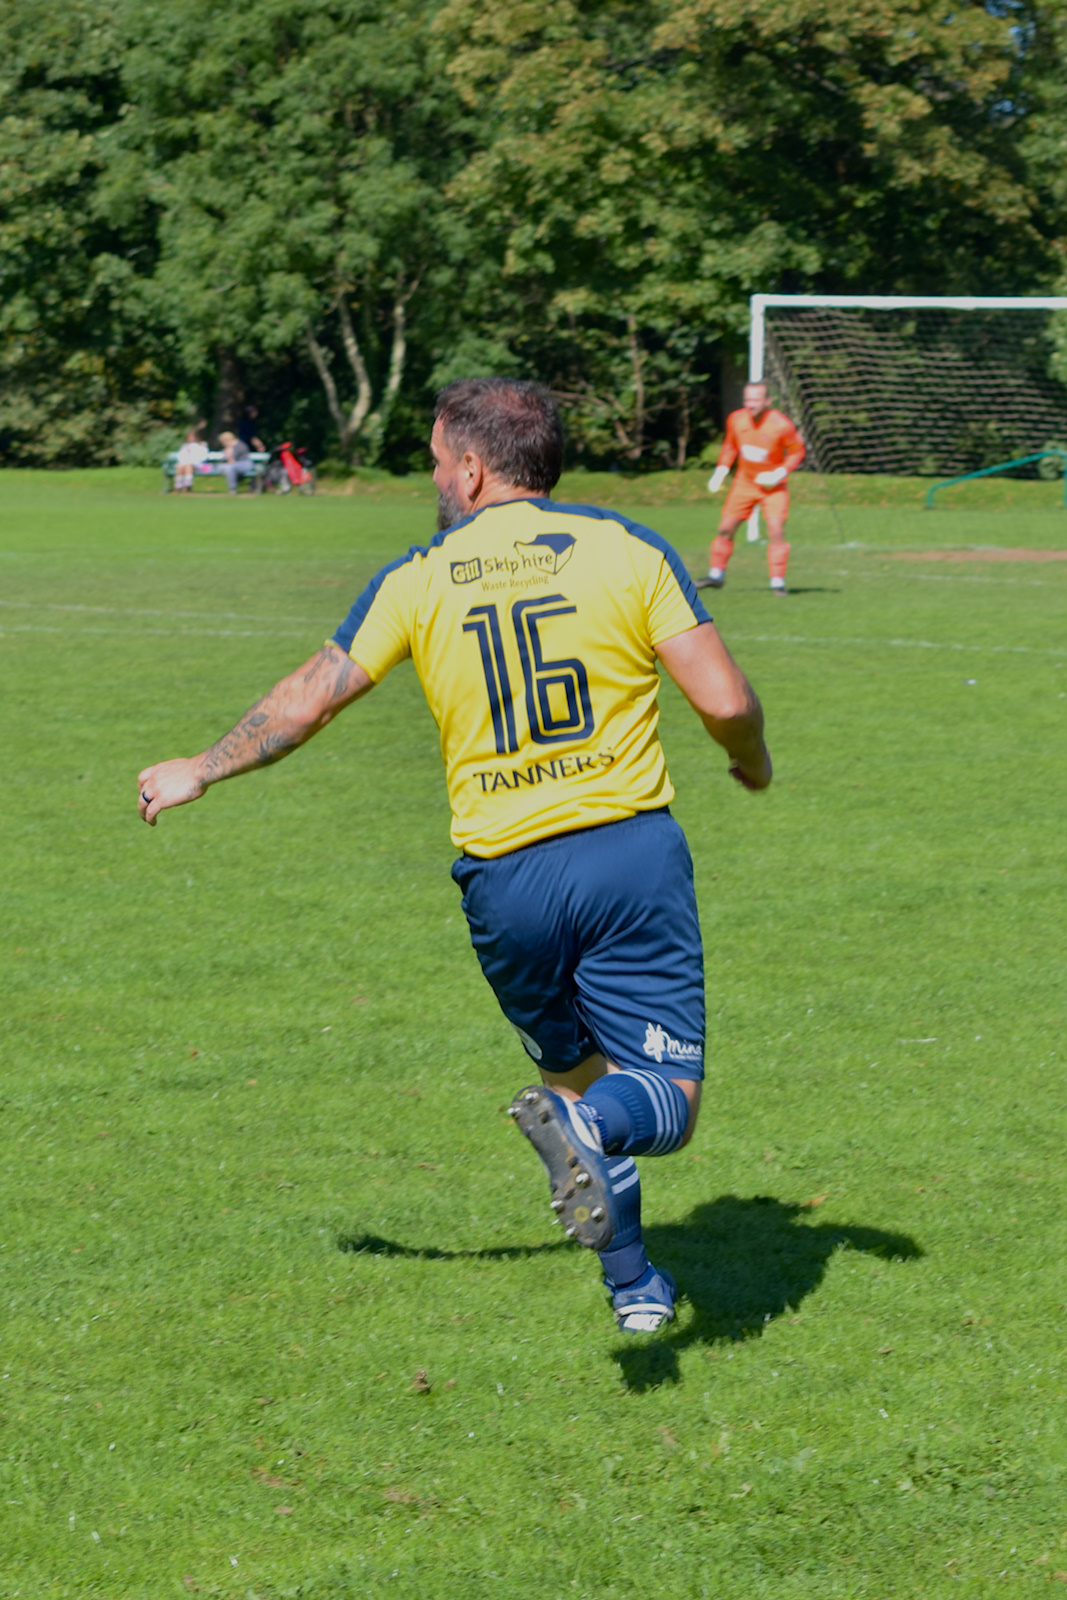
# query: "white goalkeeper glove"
717,479
771,480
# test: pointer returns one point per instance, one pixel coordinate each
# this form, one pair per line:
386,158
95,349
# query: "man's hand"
168,783
717,479
289,714
753,775
771,480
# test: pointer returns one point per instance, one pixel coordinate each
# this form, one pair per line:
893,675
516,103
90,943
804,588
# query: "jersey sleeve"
671,610
377,631
672,604
794,447
728,453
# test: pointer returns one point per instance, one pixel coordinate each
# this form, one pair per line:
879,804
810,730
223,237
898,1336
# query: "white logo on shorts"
658,1043
531,1044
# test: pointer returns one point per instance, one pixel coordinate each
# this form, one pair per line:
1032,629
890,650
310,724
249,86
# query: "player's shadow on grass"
370,1243
740,1264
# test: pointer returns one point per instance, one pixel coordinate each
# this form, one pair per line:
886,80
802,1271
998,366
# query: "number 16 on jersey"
558,707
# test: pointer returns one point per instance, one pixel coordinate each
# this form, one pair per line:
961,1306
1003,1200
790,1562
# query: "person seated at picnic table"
190,455
238,460
246,428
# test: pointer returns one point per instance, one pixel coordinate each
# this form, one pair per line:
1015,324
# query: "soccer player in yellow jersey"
536,629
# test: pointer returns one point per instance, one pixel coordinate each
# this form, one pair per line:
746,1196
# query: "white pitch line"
133,611
747,638
944,577
902,644
157,633
960,577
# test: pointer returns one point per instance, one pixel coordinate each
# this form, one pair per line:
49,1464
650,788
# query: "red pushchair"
290,467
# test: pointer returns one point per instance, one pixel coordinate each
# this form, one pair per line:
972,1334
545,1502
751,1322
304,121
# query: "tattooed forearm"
343,674
263,735
295,709
332,673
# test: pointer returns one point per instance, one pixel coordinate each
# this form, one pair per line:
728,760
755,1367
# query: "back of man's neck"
497,494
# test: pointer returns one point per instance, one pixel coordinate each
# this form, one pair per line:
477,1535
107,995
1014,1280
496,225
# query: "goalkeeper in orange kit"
767,448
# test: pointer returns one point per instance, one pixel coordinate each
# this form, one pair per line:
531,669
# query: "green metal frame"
1002,466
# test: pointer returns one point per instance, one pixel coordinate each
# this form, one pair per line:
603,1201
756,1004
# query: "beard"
449,511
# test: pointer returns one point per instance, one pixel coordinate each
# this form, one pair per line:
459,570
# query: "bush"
149,449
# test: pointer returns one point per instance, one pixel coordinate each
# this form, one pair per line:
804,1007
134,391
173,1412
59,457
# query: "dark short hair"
512,424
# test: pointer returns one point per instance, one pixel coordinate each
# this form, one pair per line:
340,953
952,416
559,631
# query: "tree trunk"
347,426
361,419
683,426
230,393
378,421
322,367
637,363
359,411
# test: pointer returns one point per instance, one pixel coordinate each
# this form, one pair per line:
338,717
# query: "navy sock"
635,1113
626,1260
638,1113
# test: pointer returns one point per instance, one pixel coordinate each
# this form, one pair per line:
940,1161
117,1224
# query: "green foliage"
256,1169
298,156
335,205
647,167
149,449
332,467
82,364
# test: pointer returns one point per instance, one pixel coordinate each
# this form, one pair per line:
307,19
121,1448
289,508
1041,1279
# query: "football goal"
912,384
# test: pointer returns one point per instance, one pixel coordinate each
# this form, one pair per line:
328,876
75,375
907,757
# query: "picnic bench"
214,466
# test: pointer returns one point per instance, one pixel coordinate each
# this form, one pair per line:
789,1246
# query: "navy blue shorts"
591,941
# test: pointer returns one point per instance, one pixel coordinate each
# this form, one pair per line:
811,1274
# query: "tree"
298,155
647,167
1040,108
340,203
84,371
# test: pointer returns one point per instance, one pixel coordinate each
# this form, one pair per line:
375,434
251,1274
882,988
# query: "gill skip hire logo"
466,571
549,551
547,554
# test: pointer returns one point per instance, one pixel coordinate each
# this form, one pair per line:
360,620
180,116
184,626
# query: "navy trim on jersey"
346,633
647,536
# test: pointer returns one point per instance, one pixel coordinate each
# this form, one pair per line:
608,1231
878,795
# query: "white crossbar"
885,302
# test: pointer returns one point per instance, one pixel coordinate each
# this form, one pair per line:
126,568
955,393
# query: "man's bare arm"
297,708
722,697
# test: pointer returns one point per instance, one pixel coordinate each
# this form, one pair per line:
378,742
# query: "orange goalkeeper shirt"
760,446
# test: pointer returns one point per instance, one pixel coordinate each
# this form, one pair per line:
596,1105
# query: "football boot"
644,1306
579,1173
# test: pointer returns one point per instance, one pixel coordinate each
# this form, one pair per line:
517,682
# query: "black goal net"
933,392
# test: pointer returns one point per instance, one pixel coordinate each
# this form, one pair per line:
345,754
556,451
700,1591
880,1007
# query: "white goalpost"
910,384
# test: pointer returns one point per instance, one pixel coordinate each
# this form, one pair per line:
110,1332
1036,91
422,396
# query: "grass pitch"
283,1314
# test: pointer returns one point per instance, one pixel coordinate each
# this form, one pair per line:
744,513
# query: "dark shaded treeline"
331,206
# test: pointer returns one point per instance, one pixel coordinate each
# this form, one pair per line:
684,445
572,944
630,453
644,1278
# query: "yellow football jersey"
532,626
